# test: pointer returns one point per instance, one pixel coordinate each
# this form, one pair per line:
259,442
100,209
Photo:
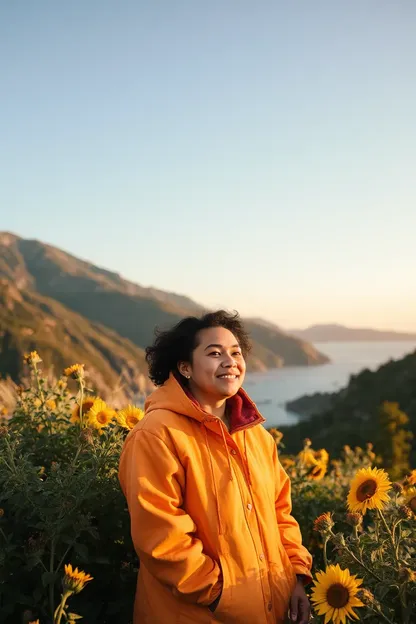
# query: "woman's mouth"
228,376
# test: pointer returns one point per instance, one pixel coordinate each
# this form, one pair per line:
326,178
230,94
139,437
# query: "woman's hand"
300,609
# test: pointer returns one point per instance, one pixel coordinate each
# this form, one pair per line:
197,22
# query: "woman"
209,501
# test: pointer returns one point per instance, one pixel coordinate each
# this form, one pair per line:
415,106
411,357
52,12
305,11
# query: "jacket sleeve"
153,479
288,527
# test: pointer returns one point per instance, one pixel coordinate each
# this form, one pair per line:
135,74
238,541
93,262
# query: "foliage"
356,412
66,550
61,502
376,547
394,438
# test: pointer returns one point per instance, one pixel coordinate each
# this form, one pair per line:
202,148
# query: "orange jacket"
210,515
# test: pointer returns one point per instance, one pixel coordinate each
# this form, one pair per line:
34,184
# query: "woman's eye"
215,353
237,353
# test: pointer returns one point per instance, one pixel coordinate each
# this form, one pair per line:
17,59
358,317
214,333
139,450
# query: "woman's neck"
214,407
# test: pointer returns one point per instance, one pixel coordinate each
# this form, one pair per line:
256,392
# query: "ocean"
270,390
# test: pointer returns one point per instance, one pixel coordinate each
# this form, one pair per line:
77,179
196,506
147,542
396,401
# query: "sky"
259,156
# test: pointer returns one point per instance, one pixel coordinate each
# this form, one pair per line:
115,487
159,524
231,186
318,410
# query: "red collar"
243,412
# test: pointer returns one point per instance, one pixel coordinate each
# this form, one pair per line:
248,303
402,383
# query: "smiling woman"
208,498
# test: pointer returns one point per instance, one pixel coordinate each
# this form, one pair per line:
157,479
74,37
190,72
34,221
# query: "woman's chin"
228,387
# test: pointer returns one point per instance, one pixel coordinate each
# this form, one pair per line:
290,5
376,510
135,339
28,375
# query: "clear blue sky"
257,155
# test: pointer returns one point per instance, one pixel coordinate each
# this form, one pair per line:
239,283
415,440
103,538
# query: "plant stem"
391,537
11,458
385,618
65,554
361,563
51,584
81,400
59,611
35,370
326,540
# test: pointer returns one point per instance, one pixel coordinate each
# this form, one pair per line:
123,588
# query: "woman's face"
218,367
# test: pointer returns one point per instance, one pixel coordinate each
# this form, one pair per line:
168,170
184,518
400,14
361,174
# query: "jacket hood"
174,397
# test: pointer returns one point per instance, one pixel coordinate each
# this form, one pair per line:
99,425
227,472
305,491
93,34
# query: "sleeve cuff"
303,575
215,594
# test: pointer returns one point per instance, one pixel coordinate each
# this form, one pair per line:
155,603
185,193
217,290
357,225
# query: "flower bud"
366,596
405,512
87,436
397,487
323,523
354,518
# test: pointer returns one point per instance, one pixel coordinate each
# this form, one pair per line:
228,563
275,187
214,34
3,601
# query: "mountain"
70,309
349,416
340,333
29,321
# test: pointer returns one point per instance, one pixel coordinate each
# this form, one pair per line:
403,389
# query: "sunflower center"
366,490
102,418
132,420
337,596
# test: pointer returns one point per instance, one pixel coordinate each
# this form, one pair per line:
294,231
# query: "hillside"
29,321
351,414
340,333
92,305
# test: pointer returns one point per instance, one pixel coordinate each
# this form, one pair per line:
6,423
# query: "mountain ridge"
78,293
334,332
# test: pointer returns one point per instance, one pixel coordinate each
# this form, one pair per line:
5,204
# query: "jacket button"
233,452
261,556
249,506
270,606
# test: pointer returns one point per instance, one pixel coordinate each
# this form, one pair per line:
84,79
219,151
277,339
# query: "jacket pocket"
281,585
224,604
190,614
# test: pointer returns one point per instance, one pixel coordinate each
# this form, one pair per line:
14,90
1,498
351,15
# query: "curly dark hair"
177,344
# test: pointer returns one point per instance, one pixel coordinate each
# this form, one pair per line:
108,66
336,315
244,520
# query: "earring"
188,376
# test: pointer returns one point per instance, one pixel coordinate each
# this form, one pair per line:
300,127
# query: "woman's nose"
228,362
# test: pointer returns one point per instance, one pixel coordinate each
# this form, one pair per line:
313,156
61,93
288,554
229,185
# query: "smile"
228,376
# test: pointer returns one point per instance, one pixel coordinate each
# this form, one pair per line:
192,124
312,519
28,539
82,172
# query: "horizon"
258,158
202,304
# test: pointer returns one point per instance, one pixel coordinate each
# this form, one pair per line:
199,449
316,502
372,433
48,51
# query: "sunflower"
317,472
32,358
87,404
129,416
76,371
307,457
411,499
100,415
410,479
322,456
51,404
75,580
276,435
369,490
335,594
287,462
